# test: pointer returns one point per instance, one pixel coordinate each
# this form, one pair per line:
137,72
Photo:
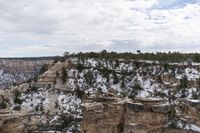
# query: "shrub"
14,84
65,122
89,77
62,59
39,107
3,104
196,94
43,69
123,93
33,88
115,78
79,93
122,84
134,90
183,82
80,67
17,108
116,63
17,95
64,75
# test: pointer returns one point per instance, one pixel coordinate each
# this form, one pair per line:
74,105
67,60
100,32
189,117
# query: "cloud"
36,28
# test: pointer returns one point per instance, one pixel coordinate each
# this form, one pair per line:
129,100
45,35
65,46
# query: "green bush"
80,67
17,95
134,90
79,93
43,69
115,78
64,75
65,122
89,78
33,88
3,104
17,108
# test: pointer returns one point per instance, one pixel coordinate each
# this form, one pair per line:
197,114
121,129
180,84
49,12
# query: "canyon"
99,96
19,70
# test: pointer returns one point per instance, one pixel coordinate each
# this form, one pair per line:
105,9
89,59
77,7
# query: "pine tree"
17,95
64,75
115,78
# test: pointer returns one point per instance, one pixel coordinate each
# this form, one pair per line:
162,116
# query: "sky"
51,27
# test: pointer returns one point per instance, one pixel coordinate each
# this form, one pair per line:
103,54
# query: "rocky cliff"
115,115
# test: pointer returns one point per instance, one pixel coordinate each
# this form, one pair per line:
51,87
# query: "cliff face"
115,115
41,107
18,123
52,77
19,70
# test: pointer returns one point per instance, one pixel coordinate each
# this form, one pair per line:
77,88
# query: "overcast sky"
50,27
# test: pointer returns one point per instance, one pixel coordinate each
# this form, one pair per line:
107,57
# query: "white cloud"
54,26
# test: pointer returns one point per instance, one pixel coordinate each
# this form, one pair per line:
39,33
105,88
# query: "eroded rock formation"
115,115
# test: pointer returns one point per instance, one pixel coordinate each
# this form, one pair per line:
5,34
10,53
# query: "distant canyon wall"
20,70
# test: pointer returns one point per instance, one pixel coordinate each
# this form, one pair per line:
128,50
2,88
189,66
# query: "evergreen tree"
115,78
134,90
17,95
89,78
64,75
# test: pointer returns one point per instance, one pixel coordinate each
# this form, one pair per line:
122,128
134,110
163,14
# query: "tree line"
158,56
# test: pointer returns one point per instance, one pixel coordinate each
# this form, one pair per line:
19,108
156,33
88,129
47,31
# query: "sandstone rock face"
52,77
18,123
126,116
150,116
107,119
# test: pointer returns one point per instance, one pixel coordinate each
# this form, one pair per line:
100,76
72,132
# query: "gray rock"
161,108
138,107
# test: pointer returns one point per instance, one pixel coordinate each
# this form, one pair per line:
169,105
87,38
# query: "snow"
190,73
1,72
132,124
193,127
193,100
68,102
54,132
55,118
138,103
32,100
154,99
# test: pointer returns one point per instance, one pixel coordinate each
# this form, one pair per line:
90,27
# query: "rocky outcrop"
127,116
52,78
103,117
18,123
